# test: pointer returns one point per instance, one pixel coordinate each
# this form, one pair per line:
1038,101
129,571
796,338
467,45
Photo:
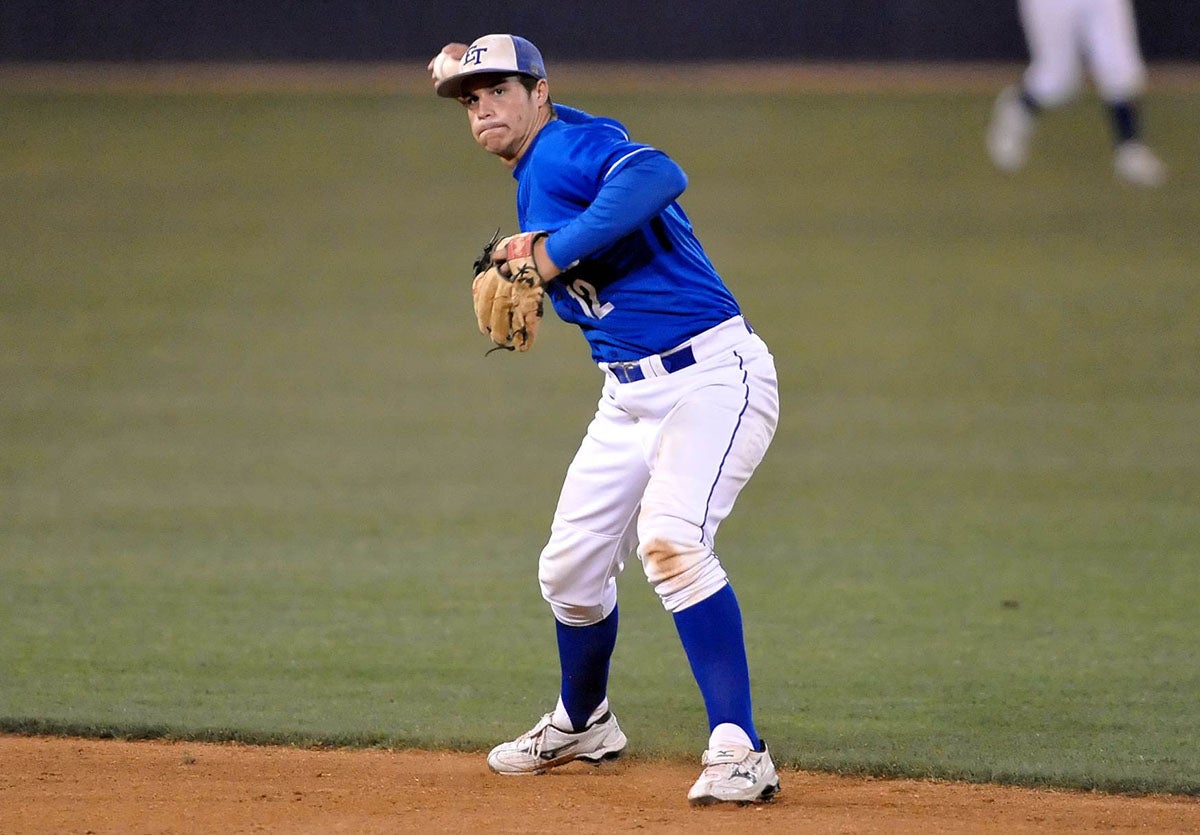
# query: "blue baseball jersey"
632,291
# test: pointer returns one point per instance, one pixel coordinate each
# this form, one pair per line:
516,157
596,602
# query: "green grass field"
249,485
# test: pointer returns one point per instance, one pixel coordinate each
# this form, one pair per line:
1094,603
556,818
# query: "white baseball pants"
660,468
1064,35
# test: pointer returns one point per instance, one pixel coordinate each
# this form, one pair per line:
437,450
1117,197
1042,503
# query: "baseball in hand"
444,66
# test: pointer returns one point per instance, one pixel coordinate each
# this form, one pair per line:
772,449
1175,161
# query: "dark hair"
530,84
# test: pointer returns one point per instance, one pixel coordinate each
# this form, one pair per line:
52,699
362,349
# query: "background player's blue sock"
1031,104
1124,120
711,632
583,656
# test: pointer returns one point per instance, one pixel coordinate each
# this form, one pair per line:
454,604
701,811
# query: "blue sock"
711,632
1031,104
1124,120
583,655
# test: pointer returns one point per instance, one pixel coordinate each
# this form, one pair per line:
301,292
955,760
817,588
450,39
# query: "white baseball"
444,66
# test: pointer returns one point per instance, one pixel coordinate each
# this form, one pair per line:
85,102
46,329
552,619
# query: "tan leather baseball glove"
508,291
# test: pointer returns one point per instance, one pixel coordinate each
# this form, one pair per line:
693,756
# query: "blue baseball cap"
503,54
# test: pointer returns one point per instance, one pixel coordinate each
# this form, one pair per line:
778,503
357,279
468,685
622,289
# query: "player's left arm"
645,183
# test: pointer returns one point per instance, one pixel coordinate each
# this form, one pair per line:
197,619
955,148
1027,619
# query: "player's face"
503,115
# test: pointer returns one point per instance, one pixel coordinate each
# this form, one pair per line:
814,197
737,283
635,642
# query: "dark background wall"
378,30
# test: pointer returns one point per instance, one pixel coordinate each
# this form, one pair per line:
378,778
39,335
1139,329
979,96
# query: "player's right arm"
572,115
575,116
455,51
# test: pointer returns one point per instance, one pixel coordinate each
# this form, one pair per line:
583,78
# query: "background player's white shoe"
1010,130
735,774
1137,164
544,746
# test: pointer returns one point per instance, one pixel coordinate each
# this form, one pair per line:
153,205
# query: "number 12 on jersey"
589,300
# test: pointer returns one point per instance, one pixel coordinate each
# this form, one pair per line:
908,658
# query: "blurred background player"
1063,36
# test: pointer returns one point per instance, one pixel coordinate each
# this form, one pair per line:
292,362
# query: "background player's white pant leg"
593,528
1053,34
1113,53
707,447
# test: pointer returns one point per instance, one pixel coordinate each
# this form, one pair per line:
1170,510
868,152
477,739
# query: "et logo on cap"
474,55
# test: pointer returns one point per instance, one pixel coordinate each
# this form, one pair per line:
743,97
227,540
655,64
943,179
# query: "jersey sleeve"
574,116
637,186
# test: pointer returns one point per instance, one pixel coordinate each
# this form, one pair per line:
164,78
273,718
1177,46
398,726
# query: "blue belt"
631,372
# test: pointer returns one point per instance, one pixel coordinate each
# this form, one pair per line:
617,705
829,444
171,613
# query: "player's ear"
541,92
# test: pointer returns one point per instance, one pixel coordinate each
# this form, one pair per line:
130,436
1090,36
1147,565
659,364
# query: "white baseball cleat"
544,747
1010,130
1137,164
735,774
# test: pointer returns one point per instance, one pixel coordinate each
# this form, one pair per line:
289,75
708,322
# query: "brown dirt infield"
57,785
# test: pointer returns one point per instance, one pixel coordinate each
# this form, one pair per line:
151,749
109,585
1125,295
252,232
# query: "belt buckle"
623,371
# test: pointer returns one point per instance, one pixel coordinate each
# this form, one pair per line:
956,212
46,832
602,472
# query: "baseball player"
1062,36
688,407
